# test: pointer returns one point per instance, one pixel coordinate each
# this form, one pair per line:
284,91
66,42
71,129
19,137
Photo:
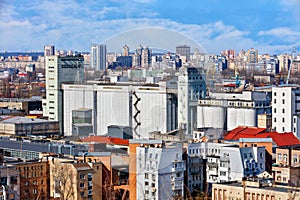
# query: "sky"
271,26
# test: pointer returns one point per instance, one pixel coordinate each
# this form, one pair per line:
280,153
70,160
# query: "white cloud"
279,32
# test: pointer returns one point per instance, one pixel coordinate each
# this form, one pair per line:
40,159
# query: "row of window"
275,110
275,94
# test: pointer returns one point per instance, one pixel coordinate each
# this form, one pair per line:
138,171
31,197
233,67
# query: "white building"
286,109
145,108
191,88
98,56
159,171
60,69
230,110
229,163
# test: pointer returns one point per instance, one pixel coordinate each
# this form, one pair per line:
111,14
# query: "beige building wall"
235,191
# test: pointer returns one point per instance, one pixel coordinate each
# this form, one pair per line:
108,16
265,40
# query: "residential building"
260,142
10,183
34,180
60,69
195,175
227,162
286,109
184,51
49,50
98,56
279,139
256,189
156,170
125,51
286,169
252,56
73,181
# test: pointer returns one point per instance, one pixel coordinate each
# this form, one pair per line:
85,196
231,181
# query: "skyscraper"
49,50
125,50
98,56
184,51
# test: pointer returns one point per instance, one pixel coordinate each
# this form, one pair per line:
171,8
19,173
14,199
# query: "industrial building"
22,126
230,110
143,107
191,88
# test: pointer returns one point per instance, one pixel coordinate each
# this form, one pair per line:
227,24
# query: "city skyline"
269,26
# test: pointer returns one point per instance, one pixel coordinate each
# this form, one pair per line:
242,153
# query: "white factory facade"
230,110
143,107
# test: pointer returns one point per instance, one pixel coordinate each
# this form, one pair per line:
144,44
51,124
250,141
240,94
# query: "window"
274,119
34,182
283,129
274,101
283,119
285,157
222,173
274,110
283,94
279,157
250,154
81,185
146,183
34,191
146,176
283,111
275,94
245,155
82,176
82,194
283,101
26,183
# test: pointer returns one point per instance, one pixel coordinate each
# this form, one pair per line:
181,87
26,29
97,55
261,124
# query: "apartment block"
34,180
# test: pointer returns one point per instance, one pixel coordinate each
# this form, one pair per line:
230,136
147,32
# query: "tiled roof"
281,139
106,140
81,166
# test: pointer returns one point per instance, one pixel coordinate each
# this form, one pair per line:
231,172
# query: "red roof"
106,140
281,139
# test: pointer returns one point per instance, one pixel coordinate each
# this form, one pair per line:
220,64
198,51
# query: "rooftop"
281,139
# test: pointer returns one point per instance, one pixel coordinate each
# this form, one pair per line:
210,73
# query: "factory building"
230,110
143,107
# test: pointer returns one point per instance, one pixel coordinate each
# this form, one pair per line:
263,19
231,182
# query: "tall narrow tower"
98,56
60,69
191,87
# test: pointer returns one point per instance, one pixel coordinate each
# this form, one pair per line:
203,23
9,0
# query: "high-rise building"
252,56
285,109
49,50
184,51
125,51
98,56
60,69
191,88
